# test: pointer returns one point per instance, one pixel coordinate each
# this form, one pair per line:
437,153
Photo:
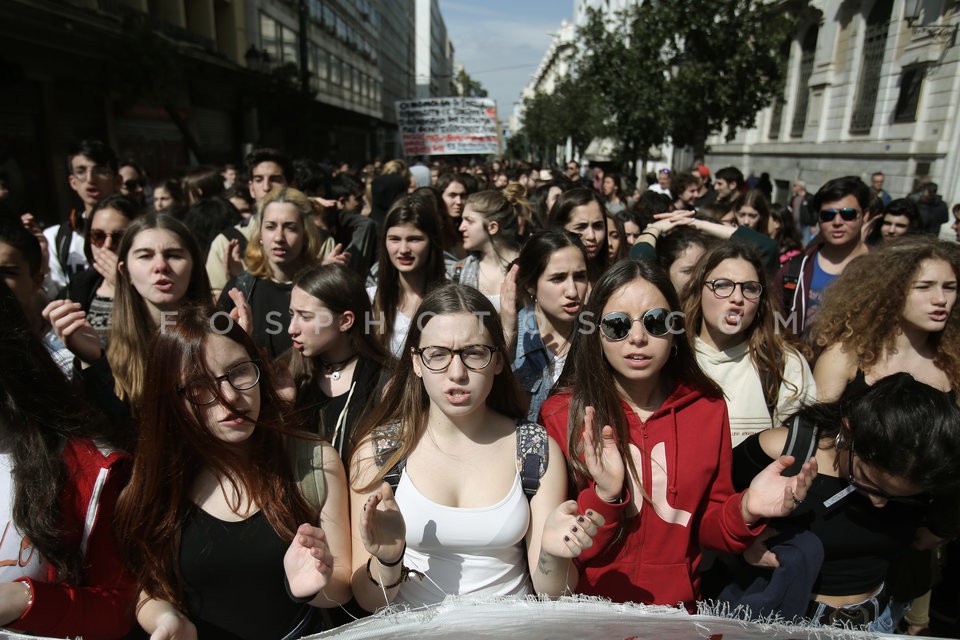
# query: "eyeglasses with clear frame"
84,173
723,288
474,357
242,376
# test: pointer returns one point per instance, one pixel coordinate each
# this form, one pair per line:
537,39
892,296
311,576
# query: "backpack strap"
306,457
791,279
801,444
386,441
532,455
64,236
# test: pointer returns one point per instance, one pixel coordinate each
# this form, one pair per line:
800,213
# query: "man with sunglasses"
840,205
92,173
132,181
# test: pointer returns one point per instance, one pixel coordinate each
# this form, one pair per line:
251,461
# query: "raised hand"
30,224
105,263
603,460
232,260
70,324
337,256
772,495
308,562
382,529
241,312
508,303
566,533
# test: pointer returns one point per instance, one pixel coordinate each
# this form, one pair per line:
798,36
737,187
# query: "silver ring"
796,503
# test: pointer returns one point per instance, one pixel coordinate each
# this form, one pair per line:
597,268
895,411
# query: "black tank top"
234,579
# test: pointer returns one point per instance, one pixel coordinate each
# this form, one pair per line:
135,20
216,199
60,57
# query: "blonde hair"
257,263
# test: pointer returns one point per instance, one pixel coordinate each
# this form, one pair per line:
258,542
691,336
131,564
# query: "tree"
663,69
578,116
467,87
541,125
726,63
620,59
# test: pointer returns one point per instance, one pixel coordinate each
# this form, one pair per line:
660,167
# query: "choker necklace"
333,369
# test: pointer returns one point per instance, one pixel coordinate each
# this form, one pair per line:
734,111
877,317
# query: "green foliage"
468,87
684,71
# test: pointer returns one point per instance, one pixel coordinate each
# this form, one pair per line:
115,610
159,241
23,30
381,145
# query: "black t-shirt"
270,307
859,540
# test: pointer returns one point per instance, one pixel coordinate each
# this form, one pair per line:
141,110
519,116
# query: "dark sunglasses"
615,326
98,238
847,213
133,185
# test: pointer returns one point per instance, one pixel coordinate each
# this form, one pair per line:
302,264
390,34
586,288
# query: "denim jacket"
532,361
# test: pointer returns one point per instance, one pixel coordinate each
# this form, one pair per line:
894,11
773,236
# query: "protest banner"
448,126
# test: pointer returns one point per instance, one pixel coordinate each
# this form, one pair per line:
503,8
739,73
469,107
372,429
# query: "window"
911,82
874,45
316,9
322,64
802,100
269,41
335,67
291,51
347,77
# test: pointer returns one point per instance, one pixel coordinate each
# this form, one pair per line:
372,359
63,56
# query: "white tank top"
464,551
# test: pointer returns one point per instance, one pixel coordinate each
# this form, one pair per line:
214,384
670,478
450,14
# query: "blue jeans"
887,620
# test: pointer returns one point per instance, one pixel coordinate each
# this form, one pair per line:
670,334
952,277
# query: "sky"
501,42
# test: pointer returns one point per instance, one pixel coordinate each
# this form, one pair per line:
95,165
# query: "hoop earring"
838,441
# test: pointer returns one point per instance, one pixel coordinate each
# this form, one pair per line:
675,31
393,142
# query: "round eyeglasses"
724,288
615,326
473,356
241,376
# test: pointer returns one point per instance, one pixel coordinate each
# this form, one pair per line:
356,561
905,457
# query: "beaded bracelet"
395,562
405,573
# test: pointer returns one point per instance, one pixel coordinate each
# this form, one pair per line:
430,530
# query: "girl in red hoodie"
647,440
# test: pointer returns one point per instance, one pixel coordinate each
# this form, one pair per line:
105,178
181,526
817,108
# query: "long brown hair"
766,346
407,209
131,325
866,319
595,385
39,412
406,401
175,444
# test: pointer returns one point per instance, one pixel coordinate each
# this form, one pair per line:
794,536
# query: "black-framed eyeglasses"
616,325
241,376
723,288
473,356
98,237
847,213
918,500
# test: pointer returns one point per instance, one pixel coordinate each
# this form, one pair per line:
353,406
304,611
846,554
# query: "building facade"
173,83
869,88
434,52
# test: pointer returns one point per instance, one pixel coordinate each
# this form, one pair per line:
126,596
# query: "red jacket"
100,605
684,458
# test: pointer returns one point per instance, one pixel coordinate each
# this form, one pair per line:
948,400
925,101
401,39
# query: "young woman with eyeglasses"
908,325
215,521
731,319
474,512
886,456
648,443
94,288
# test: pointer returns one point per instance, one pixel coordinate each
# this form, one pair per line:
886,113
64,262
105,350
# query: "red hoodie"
652,555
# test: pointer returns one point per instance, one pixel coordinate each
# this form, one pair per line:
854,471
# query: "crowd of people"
261,401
